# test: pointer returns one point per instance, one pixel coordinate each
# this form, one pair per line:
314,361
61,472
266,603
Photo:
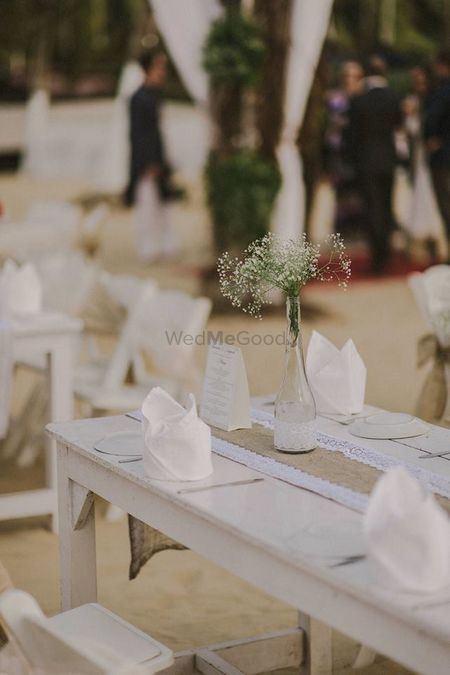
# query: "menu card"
225,399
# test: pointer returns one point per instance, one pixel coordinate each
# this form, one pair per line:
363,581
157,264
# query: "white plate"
122,444
385,425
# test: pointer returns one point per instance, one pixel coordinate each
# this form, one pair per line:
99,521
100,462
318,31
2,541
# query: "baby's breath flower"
272,263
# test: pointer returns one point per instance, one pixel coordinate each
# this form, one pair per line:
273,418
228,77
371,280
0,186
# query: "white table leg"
78,567
317,653
60,382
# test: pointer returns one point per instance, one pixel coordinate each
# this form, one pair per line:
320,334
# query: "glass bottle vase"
295,410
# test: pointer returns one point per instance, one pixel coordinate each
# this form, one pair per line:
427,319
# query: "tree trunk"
275,18
367,25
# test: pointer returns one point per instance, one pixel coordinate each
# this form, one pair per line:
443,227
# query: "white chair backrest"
53,213
92,220
51,650
168,328
125,289
67,279
135,295
163,324
432,292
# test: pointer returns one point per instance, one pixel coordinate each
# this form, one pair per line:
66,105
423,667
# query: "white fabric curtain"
184,26
36,125
309,25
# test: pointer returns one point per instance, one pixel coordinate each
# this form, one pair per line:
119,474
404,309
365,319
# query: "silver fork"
435,454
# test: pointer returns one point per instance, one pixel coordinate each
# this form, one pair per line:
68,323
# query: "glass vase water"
295,410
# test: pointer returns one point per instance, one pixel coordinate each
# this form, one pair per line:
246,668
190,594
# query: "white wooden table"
52,337
277,537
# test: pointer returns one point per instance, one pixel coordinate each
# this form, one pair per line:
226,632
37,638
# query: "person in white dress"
425,221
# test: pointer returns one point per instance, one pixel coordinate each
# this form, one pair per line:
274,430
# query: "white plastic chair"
48,227
154,318
67,279
88,640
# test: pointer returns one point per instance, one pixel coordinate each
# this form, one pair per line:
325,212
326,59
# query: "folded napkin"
337,377
177,441
408,536
20,290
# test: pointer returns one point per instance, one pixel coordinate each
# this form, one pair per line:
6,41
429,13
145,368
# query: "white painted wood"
318,654
78,578
31,503
86,639
210,663
267,652
55,337
277,537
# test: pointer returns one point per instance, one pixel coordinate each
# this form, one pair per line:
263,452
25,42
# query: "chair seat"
109,630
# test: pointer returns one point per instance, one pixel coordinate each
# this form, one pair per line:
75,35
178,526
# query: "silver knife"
219,485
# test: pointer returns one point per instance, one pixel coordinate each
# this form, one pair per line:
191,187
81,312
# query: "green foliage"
234,50
241,192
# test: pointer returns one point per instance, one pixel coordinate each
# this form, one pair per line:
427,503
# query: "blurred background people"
425,221
437,135
336,202
147,188
374,116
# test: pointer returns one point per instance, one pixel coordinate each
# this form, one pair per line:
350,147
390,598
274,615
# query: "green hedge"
234,50
241,191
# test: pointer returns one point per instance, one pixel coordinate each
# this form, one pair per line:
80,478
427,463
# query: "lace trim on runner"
438,484
270,467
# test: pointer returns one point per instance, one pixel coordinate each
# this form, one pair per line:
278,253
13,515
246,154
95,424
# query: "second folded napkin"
177,442
408,536
337,377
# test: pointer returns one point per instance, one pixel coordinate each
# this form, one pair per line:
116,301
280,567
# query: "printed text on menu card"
225,400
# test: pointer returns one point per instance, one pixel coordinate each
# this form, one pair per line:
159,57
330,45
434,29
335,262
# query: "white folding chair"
88,640
155,320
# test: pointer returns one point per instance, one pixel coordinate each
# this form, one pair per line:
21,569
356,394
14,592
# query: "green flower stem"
293,317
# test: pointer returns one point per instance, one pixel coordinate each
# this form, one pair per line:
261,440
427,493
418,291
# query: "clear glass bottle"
295,410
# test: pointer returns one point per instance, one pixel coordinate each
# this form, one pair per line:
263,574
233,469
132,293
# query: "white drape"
36,123
309,25
185,26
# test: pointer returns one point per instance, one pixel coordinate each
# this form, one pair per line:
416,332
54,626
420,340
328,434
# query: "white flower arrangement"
271,264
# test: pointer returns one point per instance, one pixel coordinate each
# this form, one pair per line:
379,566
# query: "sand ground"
179,597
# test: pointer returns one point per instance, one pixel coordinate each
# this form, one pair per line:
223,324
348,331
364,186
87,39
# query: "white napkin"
20,290
408,536
337,377
177,441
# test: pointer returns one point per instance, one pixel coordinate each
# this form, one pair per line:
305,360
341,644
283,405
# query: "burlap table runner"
321,463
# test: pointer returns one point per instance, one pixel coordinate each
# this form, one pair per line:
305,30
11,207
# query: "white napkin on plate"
408,536
337,377
177,442
20,290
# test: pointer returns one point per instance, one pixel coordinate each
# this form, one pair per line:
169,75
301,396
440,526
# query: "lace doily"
436,483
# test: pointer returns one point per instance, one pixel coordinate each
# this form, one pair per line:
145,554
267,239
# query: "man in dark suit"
148,167
373,118
437,136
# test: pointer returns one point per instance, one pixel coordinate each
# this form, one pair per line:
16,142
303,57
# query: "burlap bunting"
432,401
